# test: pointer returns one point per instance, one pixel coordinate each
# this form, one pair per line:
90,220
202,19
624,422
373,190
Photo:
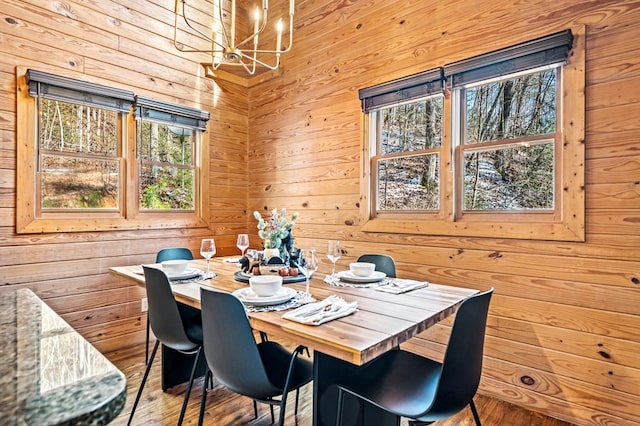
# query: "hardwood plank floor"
225,408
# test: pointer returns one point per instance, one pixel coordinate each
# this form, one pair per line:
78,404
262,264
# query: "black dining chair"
174,253
265,372
421,389
171,328
169,253
383,262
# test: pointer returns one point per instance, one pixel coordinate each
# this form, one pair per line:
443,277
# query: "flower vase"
271,252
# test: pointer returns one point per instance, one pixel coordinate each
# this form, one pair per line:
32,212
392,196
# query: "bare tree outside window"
78,156
409,156
167,166
489,145
508,151
96,157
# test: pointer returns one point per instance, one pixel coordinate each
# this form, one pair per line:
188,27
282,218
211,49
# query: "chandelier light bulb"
230,45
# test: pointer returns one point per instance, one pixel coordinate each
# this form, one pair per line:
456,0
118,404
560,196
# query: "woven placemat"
301,298
337,282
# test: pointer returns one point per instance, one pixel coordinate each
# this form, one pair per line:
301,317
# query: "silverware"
333,311
325,308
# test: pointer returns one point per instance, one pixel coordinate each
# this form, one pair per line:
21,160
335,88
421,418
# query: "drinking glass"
310,265
242,242
333,253
208,250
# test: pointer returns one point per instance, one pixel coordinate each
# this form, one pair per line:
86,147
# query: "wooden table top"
382,321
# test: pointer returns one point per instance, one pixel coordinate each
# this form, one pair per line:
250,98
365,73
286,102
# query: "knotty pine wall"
564,333
563,336
125,44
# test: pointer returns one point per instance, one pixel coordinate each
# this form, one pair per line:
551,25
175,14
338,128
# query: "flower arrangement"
276,228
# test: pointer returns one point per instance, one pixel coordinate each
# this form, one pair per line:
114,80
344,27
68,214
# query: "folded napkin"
331,308
397,286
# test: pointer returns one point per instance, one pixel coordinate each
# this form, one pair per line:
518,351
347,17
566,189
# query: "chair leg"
297,398
144,380
186,396
255,409
339,409
146,344
281,414
273,419
203,400
285,391
475,413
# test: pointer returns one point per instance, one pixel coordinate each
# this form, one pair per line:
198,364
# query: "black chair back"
383,262
230,347
174,253
462,363
164,316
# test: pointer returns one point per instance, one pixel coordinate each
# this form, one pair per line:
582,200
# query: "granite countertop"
49,374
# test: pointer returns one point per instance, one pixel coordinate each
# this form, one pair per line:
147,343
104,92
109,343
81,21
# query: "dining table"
341,346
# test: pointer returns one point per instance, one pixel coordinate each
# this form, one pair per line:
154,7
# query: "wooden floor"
226,408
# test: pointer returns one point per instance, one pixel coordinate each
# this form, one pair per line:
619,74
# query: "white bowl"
265,285
362,269
174,267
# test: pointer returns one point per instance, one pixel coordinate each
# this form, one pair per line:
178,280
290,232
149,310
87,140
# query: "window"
489,146
86,162
167,137
507,159
78,156
78,138
408,159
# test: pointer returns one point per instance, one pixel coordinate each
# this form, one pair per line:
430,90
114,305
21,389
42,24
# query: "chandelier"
220,35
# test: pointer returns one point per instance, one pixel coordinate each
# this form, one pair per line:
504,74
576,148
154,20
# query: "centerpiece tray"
244,277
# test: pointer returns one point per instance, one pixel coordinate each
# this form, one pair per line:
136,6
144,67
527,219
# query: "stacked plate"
187,274
349,277
247,296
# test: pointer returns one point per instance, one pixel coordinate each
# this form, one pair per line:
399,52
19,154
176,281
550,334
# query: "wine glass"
242,242
208,250
333,253
310,265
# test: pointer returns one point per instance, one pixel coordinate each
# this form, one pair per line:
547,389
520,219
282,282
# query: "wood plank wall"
125,44
563,335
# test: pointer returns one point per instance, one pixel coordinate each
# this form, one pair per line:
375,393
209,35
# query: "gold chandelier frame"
224,50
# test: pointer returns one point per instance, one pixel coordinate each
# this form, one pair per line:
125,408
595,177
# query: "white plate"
246,295
347,276
188,273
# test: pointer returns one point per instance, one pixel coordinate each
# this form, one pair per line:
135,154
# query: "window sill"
85,224
552,231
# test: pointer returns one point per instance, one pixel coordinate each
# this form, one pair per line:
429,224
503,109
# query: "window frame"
40,153
460,147
565,223
31,219
142,163
164,112
375,157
